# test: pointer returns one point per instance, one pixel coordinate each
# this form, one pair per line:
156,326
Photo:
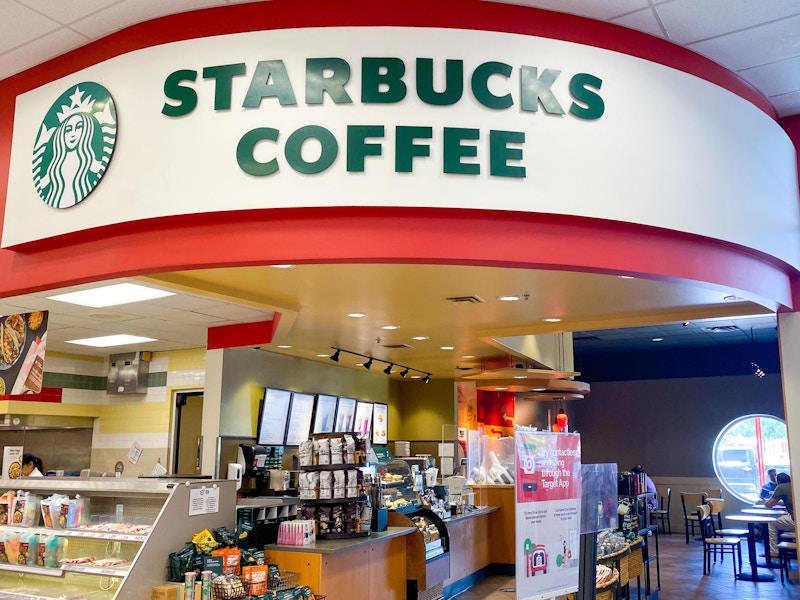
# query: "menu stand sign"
12,462
548,509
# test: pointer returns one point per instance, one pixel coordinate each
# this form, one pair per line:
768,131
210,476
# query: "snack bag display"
30,512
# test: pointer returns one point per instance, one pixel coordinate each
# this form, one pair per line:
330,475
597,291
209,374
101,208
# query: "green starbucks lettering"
74,145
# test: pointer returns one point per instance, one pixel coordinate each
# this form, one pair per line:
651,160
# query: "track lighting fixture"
389,365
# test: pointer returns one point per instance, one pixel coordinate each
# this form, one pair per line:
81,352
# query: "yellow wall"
424,408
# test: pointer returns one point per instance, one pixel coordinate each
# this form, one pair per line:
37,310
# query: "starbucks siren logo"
74,145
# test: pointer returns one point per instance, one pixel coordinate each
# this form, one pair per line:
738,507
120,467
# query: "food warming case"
427,554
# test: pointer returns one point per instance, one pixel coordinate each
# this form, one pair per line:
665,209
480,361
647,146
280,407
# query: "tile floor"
681,578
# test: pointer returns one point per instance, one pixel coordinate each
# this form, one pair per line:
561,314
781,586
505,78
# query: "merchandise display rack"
164,503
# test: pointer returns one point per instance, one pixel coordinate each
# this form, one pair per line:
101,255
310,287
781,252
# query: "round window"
745,450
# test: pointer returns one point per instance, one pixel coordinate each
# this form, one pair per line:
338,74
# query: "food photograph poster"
548,508
22,350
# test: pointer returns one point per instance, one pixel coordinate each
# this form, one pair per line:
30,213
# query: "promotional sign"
12,462
380,419
548,508
24,340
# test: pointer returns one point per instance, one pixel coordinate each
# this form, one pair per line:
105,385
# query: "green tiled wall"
92,382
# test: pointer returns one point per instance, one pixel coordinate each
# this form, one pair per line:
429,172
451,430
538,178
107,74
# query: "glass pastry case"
398,485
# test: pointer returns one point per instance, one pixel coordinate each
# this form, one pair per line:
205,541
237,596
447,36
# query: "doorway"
188,431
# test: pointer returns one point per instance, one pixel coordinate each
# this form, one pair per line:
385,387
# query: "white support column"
212,406
789,337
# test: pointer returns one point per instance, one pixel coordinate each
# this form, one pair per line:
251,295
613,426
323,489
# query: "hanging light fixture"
368,364
335,356
403,374
388,370
405,370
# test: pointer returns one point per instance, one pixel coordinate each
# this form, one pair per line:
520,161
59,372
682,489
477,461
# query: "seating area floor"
681,578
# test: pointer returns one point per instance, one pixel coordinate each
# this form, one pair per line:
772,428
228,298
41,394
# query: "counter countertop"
342,545
483,510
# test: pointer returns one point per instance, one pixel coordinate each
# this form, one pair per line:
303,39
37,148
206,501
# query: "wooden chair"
786,552
690,501
717,505
712,492
713,544
661,514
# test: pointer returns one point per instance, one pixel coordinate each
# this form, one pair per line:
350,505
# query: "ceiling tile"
765,44
775,78
688,21
604,9
236,313
786,105
67,12
20,24
129,12
641,20
42,49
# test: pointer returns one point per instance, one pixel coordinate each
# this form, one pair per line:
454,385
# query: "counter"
370,568
469,550
502,523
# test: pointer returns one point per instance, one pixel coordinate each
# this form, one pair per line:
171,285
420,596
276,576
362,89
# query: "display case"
132,527
398,486
427,551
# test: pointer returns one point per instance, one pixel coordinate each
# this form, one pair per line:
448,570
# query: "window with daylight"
746,449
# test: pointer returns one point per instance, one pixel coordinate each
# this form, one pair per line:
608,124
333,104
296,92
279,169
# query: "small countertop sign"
204,500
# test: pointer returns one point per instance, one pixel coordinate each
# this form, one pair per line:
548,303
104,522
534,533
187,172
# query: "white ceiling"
757,39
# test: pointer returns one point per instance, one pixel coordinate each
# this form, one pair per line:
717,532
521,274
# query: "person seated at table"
652,493
782,494
769,487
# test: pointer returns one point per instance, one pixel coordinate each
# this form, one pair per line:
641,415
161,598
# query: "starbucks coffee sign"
74,145
396,117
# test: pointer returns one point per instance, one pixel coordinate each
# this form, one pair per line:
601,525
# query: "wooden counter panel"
469,546
502,532
373,572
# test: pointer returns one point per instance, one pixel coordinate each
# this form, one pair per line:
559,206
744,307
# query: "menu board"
325,416
300,414
345,415
380,414
274,414
363,419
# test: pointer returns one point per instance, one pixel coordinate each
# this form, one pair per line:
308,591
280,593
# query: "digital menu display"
345,415
325,415
273,418
300,414
363,419
380,414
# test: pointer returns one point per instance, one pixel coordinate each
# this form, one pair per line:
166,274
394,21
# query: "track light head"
335,356
368,364
427,378
388,370
404,373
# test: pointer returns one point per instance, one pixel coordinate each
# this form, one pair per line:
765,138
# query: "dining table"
751,520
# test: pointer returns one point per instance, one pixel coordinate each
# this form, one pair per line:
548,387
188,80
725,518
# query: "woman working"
32,466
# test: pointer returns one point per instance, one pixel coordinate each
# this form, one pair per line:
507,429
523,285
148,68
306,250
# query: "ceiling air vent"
467,299
397,346
721,328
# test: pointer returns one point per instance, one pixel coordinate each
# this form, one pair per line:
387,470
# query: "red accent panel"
393,235
48,394
244,334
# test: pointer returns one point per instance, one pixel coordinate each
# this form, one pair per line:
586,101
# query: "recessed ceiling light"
625,277
284,346
658,339
538,389
112,295
111,340
390,327
500,389
323,355
282,266
448,348
420,338
552,320
508,298
416,377
468,356
356,315
733,298
520,376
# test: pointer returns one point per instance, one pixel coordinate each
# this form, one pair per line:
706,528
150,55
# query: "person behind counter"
32,466
652,493
782,494
769,487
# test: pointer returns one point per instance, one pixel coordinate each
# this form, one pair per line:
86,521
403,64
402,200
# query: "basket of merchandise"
606,583
280,580
635,560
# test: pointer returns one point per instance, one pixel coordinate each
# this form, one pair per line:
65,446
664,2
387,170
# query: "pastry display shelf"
177,508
